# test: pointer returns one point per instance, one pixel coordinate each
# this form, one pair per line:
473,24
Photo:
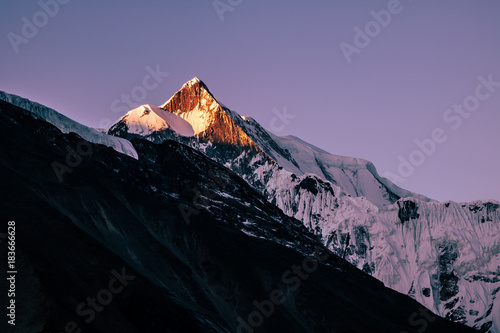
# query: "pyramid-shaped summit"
194,105
193,93
210,119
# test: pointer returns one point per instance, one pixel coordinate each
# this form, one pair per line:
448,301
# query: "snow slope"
356,176
147,119
67,125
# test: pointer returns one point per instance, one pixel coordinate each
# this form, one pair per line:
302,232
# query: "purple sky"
266,55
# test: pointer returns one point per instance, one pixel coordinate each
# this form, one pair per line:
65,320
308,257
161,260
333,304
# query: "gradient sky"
270,55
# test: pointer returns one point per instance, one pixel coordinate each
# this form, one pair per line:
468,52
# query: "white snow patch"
147,119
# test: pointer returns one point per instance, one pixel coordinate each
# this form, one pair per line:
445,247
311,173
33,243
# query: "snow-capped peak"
193,81
191,111
209,119
191,93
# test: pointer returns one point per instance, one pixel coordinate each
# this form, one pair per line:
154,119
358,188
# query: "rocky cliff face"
445,255
210,120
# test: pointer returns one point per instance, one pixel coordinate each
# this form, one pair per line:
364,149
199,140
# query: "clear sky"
367,94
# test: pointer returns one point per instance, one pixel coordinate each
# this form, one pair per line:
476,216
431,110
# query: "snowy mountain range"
109,248
444,255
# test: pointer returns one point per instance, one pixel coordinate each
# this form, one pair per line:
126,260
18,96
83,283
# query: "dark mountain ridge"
113,219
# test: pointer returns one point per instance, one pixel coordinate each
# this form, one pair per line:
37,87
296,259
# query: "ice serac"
67,125
445,255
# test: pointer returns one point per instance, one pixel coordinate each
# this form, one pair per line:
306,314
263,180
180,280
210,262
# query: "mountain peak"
191,111
195,84
193,94
194,80
209,119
